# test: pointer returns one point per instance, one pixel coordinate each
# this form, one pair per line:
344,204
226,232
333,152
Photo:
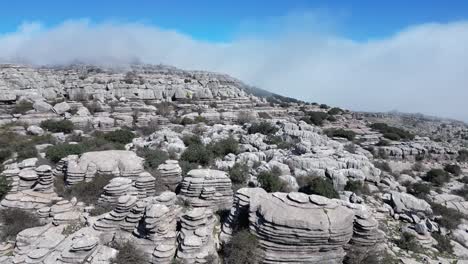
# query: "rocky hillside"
152,164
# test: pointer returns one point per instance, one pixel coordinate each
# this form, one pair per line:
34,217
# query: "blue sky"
410,56
220,20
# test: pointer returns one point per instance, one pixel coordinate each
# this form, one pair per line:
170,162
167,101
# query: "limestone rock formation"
207,188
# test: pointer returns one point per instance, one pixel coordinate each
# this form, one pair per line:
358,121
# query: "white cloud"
420,69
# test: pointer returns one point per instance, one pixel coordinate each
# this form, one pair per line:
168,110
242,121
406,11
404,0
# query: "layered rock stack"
119,163
116,188
45,181
112,220
207,188
27,179
169,175
80,249
300,228
12,175
145,185
134,217
196,242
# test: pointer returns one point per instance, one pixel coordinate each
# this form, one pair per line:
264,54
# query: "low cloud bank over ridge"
420,69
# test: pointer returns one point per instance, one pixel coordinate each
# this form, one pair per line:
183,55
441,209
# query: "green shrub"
271,182
5,154
464,179
392,133
342,133
197,153
239,173
357,187
453,169
128,253
264,128
335,111
223,147
87,192
315,118
65,126
462,155
419,189
392,136
14,221
190,140
382,143
351,148
279,142
242,248
153,157
22,107
26,151
437,177
463,192
443,243
317,185
324,106
93,107
384,166
5,186
122,136
408,242
57,152
448,217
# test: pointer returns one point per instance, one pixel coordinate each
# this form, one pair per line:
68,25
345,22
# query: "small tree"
317,185
65,126
239,173
270,181
242,248
437,177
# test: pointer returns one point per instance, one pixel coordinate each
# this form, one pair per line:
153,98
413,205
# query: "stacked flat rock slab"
12,175
28,200
110,162
145,185
45,181
116,188
207,188
169,175
111,221
134,216
195,239
27,179
81,248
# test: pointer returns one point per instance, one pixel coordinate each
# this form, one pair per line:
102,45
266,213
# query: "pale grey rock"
35,130
61,108
41,106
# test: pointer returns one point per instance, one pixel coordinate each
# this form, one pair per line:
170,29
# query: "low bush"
191,139
408,242
335,111
315,118
357,187
198,154
223,147
122,136
341,133
24,146
382,143
464,179
351,148
437,176
419,189
271,182
384,166
60,151
264,128
453,169
153,157
463,192
447,217
5,154
22,107
14,221
128,253
5,186
279,142
242,248
87,192
93,107
317,185
64,126
462,155
239,173
392,133
443,243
